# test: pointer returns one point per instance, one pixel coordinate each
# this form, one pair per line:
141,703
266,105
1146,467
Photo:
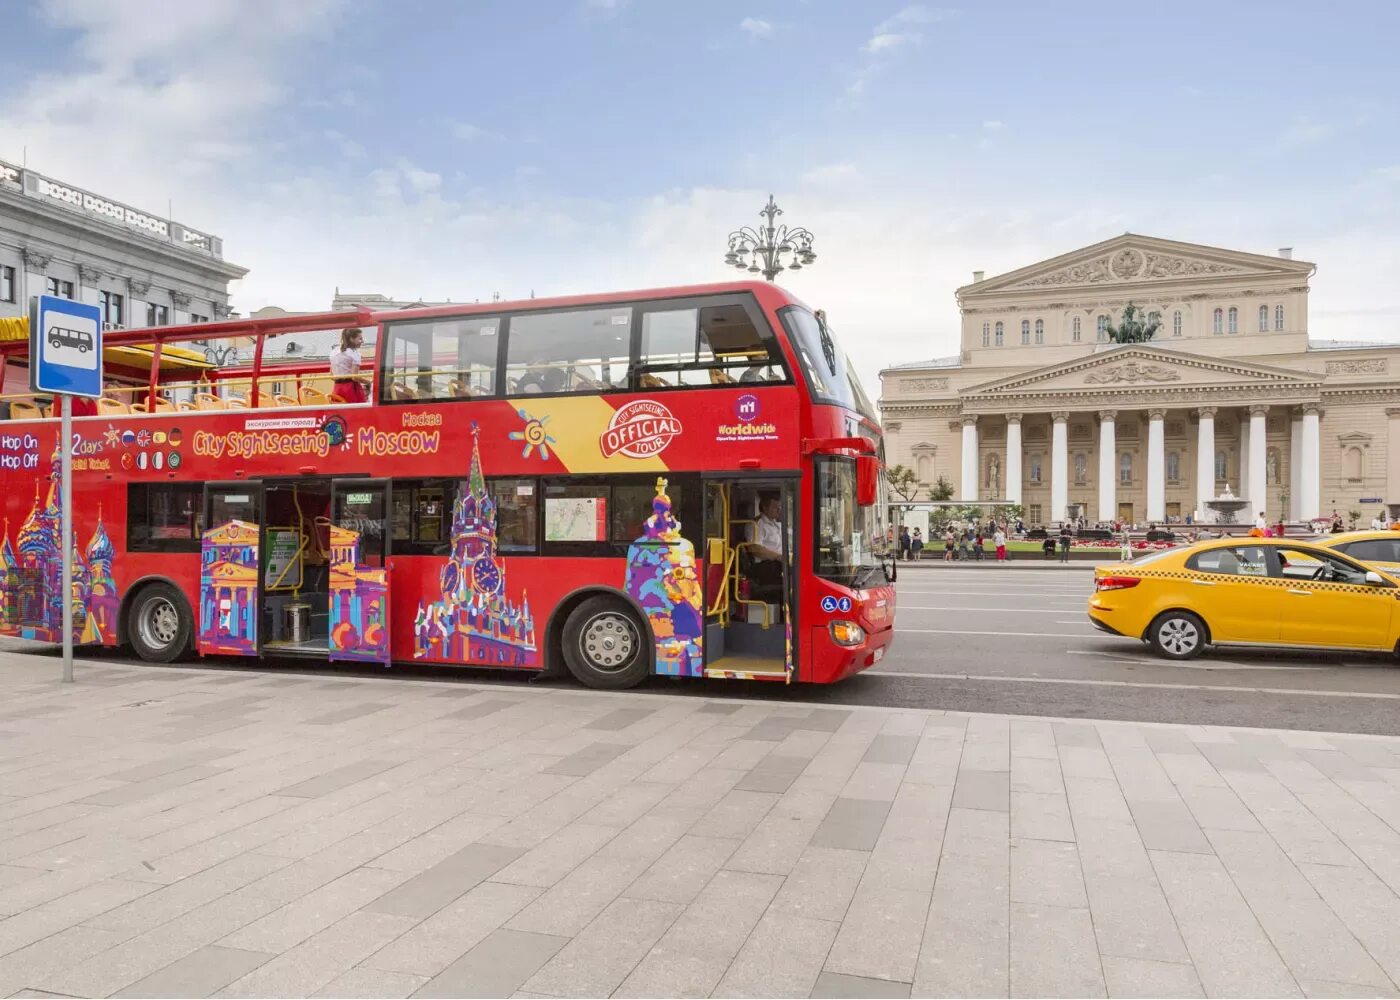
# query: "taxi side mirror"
1374,579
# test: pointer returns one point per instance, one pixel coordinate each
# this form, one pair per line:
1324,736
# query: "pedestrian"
962,545
999,540
1065,539
1278,529
1125,546
949,542
905,544
916,545
977,546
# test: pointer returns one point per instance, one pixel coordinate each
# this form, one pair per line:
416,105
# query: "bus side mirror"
867,480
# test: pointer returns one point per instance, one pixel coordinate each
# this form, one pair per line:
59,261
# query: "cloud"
469,132
349,148
992,125
756,27
830,174
902,28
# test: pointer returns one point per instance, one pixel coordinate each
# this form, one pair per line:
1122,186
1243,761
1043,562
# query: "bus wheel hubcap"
608,641
160,623
1178,636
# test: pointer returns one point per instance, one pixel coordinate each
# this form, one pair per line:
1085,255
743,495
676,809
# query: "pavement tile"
891,749
686,867
620,718
425,894
881,935
736,814
319,959
287,927
773,773
601,956
1137,977
1041,816
852,824
782,958
200,974
983,790
556,857
1168,826
589,759
336,779
1230,951
1046,873
1321,988
1368,908
966,941
1130,911
371,984
1053,952
822,883
834,984
697,949
496,967
431,946
348,713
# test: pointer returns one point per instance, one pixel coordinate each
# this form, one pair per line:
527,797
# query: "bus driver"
767,544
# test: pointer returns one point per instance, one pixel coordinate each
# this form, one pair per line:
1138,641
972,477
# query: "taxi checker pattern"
1267,581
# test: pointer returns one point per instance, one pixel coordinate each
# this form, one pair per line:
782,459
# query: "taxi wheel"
1177,635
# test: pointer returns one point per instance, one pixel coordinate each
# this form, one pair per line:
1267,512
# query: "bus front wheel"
158,624
604,644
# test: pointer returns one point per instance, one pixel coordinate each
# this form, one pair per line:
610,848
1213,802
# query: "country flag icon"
175,437
158,460
158,437
141,460
128,438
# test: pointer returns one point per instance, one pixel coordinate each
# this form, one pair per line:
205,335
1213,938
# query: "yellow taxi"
1378,549
1248,591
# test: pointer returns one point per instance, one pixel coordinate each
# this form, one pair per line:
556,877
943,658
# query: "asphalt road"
987,639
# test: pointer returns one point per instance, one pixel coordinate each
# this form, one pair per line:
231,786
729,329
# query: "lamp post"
761,250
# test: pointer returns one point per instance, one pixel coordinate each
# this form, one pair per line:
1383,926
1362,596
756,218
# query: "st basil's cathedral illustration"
475,622
31,579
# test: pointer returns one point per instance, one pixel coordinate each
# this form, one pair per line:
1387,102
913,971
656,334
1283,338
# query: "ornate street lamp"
761,250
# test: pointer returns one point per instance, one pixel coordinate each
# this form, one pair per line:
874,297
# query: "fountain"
1223,508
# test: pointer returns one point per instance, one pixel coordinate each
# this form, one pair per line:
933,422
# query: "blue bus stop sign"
65,347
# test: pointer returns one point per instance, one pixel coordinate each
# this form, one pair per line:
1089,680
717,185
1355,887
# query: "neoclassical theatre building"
1040,409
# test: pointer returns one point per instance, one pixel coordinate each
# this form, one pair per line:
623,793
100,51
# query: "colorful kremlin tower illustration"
31,580
475,622
359,622
662,578
228,589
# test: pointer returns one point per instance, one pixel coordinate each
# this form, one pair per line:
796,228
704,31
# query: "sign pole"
66,459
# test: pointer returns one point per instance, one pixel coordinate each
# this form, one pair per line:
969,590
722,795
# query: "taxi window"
1240,560
1295,564
1373,549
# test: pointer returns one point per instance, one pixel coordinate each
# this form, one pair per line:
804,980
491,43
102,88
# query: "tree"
1133,330
1352,517
904,481
941,491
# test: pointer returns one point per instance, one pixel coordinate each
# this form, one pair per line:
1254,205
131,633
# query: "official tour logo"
746,407
640,429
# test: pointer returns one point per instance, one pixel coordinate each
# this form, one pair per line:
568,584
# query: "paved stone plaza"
187,832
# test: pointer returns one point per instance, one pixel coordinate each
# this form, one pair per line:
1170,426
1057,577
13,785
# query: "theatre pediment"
1141,368
1132,259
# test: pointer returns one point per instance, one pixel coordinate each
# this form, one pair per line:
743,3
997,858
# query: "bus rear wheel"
158,624
604,644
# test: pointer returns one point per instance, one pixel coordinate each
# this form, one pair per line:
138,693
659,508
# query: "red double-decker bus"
681,481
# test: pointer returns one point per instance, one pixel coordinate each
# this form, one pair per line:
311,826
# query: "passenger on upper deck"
345,366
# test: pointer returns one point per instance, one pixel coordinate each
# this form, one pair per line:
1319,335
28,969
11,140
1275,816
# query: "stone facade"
1040,409
138,265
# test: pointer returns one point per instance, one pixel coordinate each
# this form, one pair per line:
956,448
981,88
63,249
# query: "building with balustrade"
140,267
1040,408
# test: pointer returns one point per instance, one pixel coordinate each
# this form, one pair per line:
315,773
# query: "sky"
453,150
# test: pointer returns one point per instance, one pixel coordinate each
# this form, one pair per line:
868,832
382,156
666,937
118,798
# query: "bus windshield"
851,539
829,374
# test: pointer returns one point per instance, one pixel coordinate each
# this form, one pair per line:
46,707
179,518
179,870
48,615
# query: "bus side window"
421,516
697,345
441,359
584,350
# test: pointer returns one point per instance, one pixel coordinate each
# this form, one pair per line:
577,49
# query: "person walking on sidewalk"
905,544
948,544
978,544
1064,543
962,545
916,545
1000,540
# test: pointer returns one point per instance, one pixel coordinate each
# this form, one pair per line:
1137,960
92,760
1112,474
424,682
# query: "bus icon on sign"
62,336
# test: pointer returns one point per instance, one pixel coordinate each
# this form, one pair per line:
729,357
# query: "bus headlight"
847,634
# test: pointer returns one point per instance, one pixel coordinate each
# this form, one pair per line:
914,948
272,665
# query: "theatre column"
1108,480
1156,466
1013,457
1295,464
1310,503
1258,489
967,489
1059,467
1205,460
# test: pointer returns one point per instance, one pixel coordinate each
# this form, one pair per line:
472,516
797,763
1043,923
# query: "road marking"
955,631
1208,663
941,607
1238,688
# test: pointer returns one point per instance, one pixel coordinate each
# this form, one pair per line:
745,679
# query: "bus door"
359,574
229,570
750,596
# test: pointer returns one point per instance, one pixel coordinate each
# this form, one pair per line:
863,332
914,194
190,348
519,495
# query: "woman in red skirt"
345,366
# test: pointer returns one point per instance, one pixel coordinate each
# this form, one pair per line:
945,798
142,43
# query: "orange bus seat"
20,410
208,401
308,396
106,404
399,391
184,406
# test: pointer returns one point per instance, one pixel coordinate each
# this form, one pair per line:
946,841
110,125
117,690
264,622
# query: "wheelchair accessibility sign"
66,345
831,605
